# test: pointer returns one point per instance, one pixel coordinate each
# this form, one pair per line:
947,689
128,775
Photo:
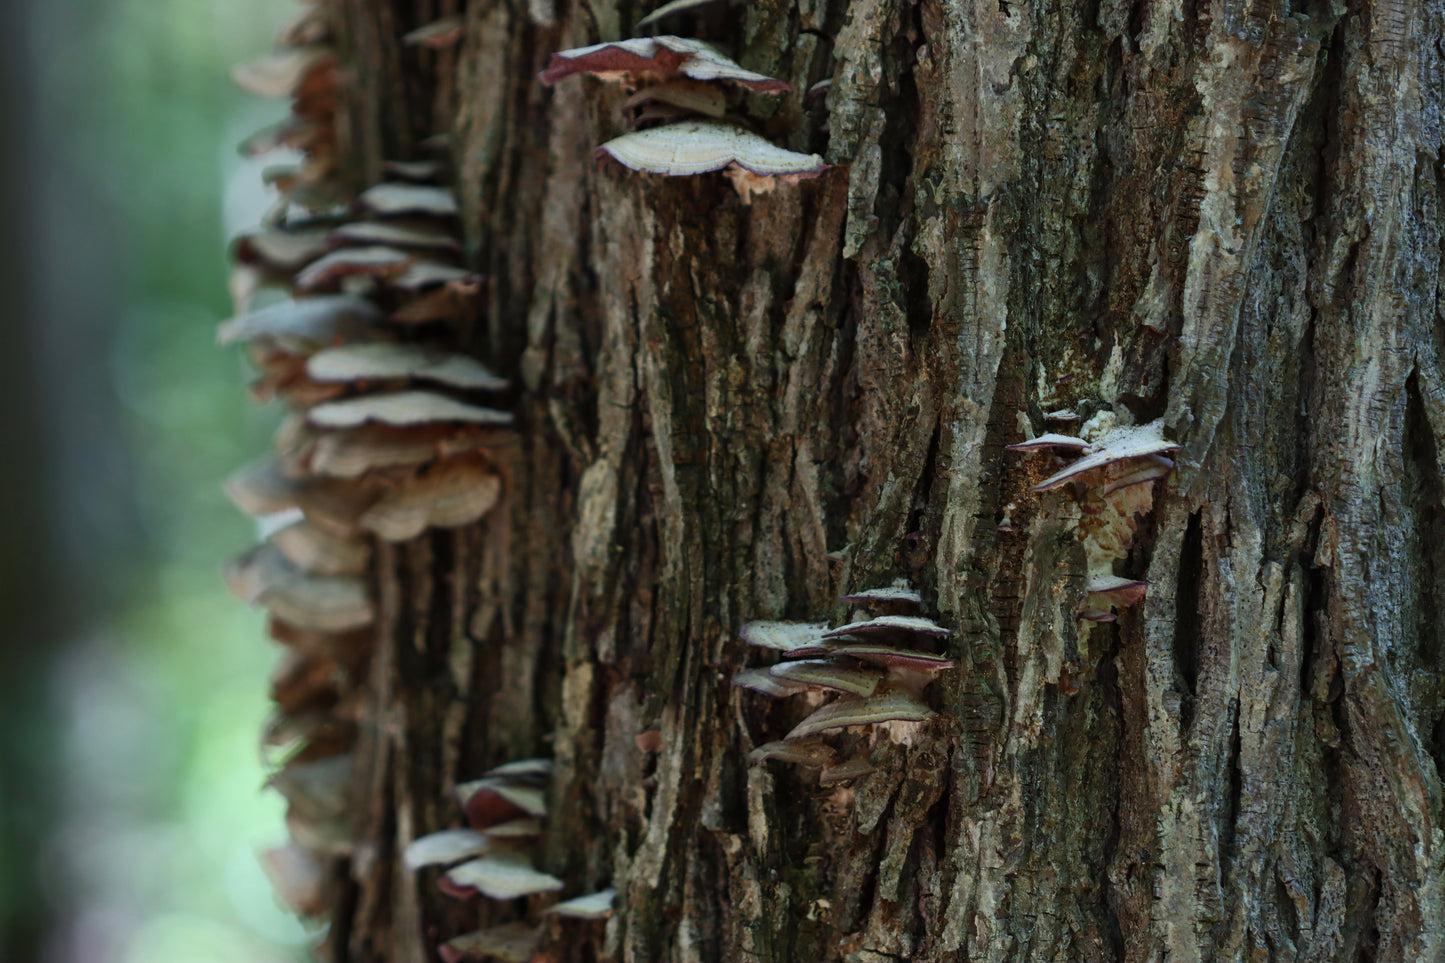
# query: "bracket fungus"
1110,477
875,677
503,809
700,146
376,287
661,57
683,81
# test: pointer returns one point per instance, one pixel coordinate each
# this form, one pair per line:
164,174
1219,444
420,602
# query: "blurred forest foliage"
131,808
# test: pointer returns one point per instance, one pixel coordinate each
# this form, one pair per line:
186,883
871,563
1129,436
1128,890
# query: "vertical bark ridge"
1220,213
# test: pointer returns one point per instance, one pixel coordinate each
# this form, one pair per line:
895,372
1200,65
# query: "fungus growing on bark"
395,198
439,34
445,847
879,681
305,325
455,492
331,270
1110,478
900,593
391,362
392,234
358,452
700,146
263,576
656,58
503,808
281,73
668,9
884,705
783,636
508,943
593,906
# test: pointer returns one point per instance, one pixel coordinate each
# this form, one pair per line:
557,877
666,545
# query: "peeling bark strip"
1039,216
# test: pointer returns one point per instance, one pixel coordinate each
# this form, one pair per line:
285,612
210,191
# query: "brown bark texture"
1221,213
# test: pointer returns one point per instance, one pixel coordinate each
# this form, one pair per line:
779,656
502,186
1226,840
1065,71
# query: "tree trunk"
1223,214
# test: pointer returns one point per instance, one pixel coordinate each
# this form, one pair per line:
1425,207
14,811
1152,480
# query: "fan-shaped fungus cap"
782,636
894,658
394,198
392,234
322,603
1107,592
514,829
662,55
855,768
1135,472
262,489
829,674
298,876
413,170
509,943
382,361
593,906
1124,445
531,800
535,771
814,753
886,705
314,549
1050,440
351,452
280,248
319,789
447,846
438,34
503,875
302,326
762,680
884,624
668,9
423,273
900,592
699,146
332,269
455,492
281,72
402,408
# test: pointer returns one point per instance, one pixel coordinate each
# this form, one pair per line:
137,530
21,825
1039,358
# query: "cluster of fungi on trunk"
344,305
680,108
1111,478
492,857
874,667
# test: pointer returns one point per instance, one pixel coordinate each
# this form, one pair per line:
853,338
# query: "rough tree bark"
1224,213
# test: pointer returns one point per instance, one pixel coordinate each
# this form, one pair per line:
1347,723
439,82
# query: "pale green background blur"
132,686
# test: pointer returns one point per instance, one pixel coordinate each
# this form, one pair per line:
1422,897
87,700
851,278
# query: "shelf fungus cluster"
342,304
682,103
871,671
1110,473
491,857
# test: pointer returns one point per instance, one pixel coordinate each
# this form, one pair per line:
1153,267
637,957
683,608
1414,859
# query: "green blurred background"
132,686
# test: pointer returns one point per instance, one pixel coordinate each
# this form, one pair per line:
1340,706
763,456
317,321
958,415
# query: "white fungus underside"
705,62
503,877
697,147
447,846
402,408
381,361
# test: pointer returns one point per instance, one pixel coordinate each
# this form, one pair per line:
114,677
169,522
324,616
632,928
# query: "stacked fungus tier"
346,308
683,106
868,675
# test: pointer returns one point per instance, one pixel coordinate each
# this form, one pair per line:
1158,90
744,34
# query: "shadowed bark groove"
1224,213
